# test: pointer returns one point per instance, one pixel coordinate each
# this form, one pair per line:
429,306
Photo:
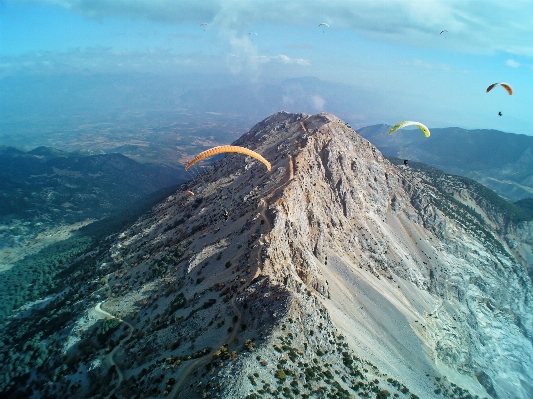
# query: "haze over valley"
261,199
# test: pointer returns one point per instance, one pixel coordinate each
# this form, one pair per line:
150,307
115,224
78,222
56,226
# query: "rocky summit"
337,275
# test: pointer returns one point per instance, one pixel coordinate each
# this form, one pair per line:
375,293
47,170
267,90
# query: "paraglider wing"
491,86
189,192
204,24
442,31
323,24
507,87
228,148
403,124
504,85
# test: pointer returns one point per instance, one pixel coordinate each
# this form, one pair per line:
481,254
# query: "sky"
392,49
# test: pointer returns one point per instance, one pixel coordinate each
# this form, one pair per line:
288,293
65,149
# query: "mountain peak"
48,152
336,260
278,122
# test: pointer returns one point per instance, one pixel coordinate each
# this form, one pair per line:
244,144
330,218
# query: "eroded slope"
338,272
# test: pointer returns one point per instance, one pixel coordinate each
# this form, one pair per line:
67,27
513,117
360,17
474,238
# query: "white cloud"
480,27
94,59
512,63
287,100
244,58
425,64
318,102
282,58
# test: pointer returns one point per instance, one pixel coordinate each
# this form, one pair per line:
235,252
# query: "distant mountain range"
500,161
50,184
71,97
72,103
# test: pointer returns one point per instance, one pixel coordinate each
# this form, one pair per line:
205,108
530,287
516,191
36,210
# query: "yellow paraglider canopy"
228,148
400,125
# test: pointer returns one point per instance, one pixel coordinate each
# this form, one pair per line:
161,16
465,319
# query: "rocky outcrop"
418,276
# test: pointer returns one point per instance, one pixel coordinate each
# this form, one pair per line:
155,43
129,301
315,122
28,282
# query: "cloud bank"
479,27
427,65
282,58
96,59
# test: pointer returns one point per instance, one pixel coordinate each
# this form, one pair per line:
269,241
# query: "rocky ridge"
337,273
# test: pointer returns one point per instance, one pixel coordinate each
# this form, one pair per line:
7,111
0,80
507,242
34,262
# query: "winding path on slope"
109,357
292,168
207,358
192,365
186,372
262,211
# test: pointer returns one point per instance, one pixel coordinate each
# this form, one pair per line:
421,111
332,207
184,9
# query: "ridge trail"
109,357
207,358
263,205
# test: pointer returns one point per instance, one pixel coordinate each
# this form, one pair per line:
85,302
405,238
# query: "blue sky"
393,48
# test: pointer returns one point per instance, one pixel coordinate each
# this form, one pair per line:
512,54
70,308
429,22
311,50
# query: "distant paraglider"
403,124
323,24
189,192
500,113
504,85
228,148
442,31
204,24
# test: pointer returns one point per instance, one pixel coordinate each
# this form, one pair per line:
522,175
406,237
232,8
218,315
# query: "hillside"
50,184
47,194
338,274
498,160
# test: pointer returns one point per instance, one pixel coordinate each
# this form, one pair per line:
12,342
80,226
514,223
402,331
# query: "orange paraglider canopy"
504,85
228,148
189,192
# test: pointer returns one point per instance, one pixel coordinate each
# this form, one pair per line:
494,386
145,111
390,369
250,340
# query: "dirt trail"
292,168
207,358
194,364
186,372
109,358
262,211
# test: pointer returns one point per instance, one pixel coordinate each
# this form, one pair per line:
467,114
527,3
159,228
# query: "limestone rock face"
420,276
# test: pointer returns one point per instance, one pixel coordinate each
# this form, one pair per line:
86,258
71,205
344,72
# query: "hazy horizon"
377,62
